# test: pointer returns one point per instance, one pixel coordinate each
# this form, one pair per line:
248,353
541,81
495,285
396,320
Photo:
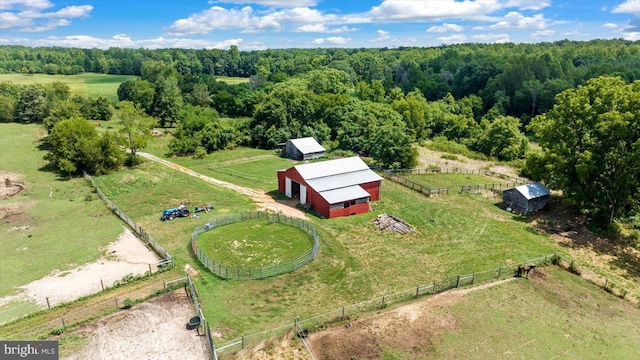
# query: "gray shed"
527,198
304,148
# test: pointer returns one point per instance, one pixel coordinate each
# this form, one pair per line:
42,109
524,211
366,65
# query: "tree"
591,143
76,146
167,101
200,95
502,139
62,111
136,126
391,146
101,109
31,104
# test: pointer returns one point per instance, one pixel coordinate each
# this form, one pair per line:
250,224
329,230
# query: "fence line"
378,303
211,350
391,175
499,186
256,272
78,316
168,259
433,171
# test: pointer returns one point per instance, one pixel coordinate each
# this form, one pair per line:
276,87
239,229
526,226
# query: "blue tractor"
170,214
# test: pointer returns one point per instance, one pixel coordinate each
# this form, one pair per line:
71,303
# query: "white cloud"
492,38
28,15
337,40
632,36
610,26
575,33
528,4
219,18
542,33
321,28
445,28
454,39
25,4
515,20
381,35
428,10
123,41
628,7
272,3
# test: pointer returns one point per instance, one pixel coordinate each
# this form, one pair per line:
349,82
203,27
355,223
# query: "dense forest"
378,102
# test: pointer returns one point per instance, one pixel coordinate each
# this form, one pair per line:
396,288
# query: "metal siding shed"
343,180
533,190
307,145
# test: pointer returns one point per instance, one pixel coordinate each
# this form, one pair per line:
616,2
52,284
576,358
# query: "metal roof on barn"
307,145
344,194
338,180
533,190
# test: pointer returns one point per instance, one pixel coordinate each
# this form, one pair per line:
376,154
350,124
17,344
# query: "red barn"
333,188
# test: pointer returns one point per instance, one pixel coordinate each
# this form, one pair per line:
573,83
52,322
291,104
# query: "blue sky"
265,24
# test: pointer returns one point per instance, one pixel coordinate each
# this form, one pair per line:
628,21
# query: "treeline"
520,78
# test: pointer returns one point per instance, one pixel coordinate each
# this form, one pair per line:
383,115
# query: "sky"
276,24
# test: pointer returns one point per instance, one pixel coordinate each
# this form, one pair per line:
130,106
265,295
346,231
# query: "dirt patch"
263,199
127,255
411,328
10,184
154,329
16,212
432,158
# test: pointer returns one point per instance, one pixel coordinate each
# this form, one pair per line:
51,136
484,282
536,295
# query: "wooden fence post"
499,271
117,307
49,306
417,291
458,281
382,307
473,278
243,341
164,285
343,312
434,287
63,324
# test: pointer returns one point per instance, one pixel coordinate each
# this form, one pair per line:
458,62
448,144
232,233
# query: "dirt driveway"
263,199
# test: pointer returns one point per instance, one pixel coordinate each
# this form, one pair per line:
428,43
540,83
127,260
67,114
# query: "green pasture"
453,181
59,224
254,243
232,80
253,168
356,260
87,84
558,316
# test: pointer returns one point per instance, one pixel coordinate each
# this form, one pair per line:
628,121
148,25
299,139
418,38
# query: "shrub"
573,268
127,304
58,330
555,259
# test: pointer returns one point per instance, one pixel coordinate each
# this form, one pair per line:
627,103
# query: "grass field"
254,243
357,261
453,181
553,314
87,84
67,223
232,80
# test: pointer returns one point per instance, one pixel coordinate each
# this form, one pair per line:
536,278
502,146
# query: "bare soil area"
154,329
263,199
10,184
127,255
431,158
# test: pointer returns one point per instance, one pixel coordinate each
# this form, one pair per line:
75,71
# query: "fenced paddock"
411,179
149,241
255,272
348,311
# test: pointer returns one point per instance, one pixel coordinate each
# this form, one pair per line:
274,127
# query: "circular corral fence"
256,272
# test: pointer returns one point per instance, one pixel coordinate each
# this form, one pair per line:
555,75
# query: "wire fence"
256,272
211,349
346,312
79,315
394,175
149,241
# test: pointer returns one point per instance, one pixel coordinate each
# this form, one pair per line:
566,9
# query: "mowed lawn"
56,223
357,261
254,243
87,84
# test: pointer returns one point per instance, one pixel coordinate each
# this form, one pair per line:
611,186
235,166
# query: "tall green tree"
167,101
591,143
136,127
31,106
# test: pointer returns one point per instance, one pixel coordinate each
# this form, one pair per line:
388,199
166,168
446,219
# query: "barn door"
303,194
287,187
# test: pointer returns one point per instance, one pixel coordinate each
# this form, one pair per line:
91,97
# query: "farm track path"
263,199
